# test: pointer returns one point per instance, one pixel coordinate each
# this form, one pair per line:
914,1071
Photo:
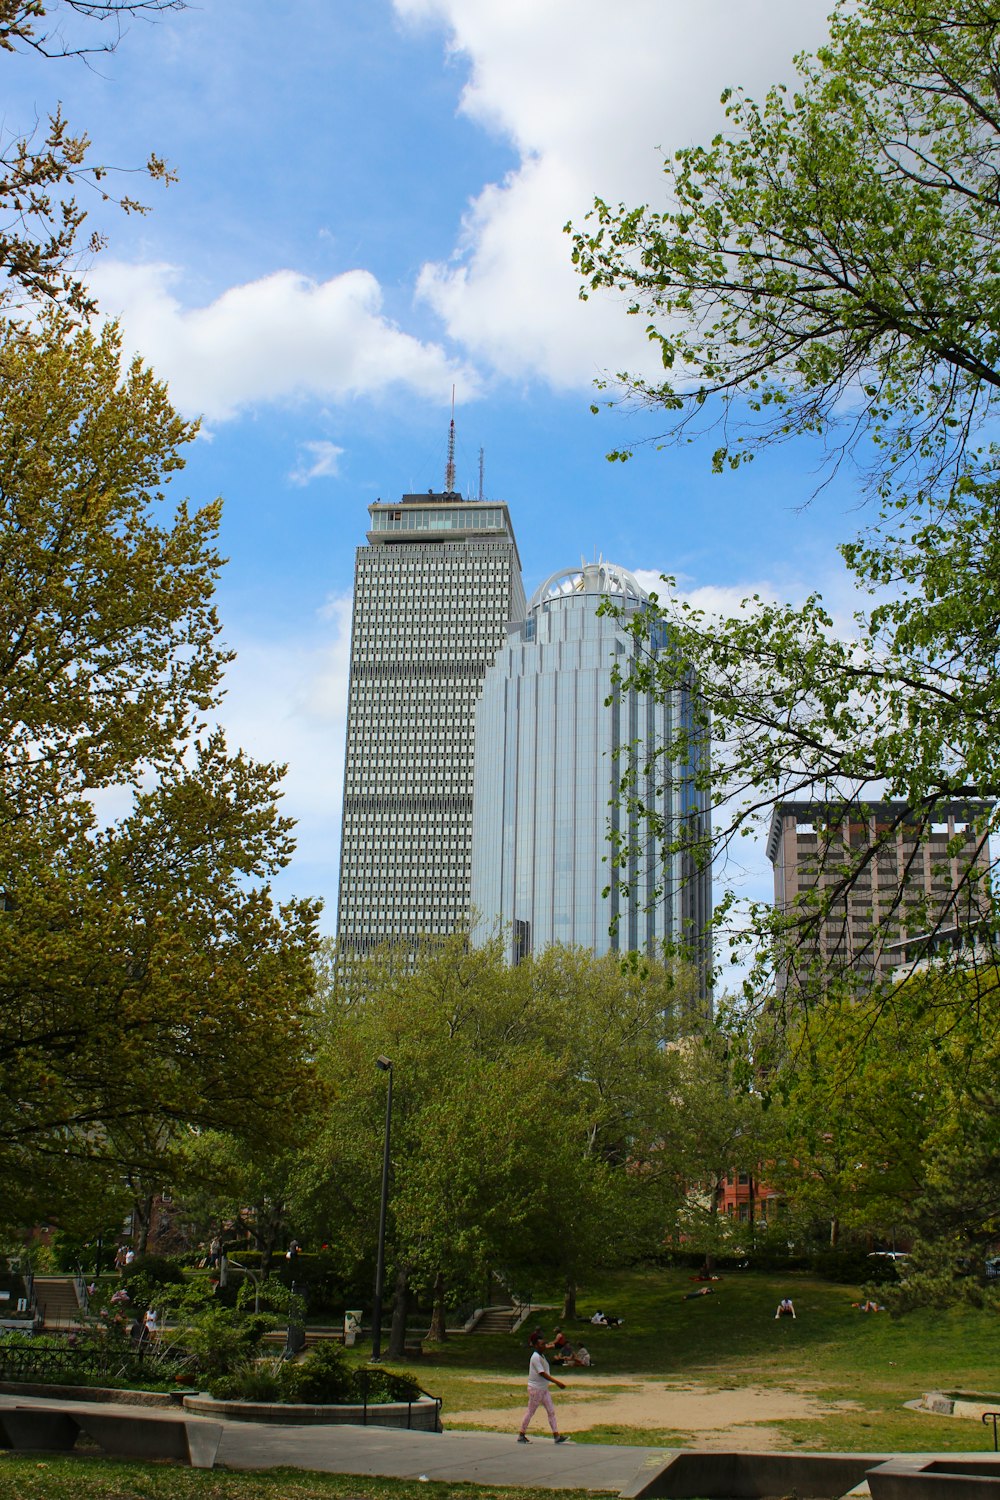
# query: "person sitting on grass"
786,1308
561,1348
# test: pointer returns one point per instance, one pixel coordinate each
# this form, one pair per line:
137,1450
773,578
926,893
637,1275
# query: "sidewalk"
480,1457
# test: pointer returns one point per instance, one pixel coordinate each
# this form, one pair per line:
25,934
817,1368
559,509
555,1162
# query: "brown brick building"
866,886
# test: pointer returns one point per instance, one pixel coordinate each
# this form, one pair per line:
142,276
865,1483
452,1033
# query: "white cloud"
281,338
840,593
320,460
587,97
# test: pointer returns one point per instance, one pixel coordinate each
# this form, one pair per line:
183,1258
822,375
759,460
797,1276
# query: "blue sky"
369,209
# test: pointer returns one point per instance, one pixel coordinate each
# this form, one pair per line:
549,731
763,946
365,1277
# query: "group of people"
564,1353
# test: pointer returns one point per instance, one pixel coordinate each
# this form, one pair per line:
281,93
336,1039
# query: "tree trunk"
400,1308
142,1216
437,1333
834,1232
569,1299
266,1230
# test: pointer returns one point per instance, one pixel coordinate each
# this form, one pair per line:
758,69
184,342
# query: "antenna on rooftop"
481,468
449,472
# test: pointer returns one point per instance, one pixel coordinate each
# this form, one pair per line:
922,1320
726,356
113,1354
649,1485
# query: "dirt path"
714,1418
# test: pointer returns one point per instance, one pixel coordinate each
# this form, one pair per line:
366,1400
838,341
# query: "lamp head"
384,1064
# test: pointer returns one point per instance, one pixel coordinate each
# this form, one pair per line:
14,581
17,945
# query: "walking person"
539,1380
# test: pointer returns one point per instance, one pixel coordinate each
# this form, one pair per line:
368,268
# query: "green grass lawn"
723,1342
730,1339
69,1478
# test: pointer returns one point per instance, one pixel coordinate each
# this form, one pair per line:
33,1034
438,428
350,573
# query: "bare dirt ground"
712,1417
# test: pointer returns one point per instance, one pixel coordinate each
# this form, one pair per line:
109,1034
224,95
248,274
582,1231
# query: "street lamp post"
385,1065
254,1277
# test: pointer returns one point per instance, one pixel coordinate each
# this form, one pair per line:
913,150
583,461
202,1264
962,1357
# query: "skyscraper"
548,727
434,591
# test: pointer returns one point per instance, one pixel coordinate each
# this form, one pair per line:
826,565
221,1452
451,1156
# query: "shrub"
249,1381
220,1341
157,1270
385,1385
321,1379
847,1266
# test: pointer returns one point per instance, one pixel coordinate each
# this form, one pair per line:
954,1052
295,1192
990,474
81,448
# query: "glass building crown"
554,735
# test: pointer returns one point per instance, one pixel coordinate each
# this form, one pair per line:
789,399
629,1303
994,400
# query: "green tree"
890,1127
721,1128
40,171
148,981
830,267
531,1106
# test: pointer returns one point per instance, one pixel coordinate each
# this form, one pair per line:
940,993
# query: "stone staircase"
57,1304
496,1320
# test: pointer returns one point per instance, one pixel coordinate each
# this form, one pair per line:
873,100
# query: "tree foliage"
529,1116
831,266
148,981
890,1128
828,261
42,171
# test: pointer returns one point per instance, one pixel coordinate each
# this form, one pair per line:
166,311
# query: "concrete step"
56,1298
495,1320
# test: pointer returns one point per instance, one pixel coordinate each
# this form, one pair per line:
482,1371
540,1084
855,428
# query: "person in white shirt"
785,1308
539,1380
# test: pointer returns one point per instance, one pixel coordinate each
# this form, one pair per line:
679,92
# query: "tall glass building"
435,590
546,778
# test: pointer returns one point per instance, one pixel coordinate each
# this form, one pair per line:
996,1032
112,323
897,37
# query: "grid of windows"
885,880
429,614
548,725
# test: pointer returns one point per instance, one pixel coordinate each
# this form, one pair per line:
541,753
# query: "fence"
22,1362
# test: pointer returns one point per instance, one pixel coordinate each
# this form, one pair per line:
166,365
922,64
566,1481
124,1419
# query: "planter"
421,1415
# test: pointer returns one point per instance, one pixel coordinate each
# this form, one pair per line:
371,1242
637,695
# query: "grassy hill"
730,1340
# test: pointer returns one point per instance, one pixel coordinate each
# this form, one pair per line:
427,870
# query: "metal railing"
25,1362
992,1416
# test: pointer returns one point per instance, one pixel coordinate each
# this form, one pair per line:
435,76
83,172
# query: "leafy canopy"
830,266
148,981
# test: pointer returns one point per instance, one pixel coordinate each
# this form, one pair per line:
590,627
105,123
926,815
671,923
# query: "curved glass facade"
546,776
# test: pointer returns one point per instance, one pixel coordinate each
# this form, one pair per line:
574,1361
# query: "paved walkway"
481,1457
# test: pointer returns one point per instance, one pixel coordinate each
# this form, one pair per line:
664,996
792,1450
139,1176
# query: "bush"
321,1379
157,1270
249,1381
385,1385
220,1341
848,1266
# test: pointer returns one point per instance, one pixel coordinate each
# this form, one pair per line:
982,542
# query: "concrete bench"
48,1430
119,1434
